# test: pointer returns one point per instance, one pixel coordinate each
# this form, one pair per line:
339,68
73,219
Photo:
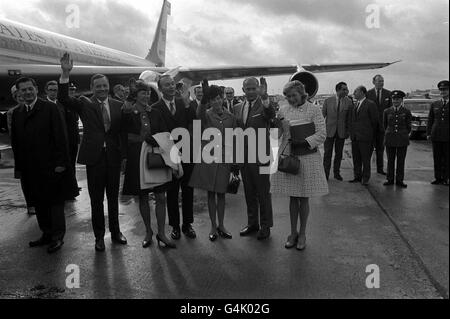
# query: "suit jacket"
230,108
397,126
335,123
194,105
183,117
386,102
258,117
39,143
94,134
438,122
365,122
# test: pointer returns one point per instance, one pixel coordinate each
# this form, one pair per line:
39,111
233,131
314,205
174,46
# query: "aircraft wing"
322,68
196,75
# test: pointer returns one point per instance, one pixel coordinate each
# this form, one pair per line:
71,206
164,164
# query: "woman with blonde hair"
310,180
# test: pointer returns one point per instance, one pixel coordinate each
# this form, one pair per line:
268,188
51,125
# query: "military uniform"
397,126
438,130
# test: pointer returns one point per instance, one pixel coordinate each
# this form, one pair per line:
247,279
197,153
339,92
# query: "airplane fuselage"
21,43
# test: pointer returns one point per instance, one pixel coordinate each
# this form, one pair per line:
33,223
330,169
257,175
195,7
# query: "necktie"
28,108
338,108
247,111
106,119
357,107
379,97
172,108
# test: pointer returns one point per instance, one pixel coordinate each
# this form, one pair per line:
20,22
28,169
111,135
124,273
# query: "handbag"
155,161
288,164
233,184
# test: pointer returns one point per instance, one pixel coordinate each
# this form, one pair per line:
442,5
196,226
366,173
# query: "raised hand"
263,87
205,87
66,63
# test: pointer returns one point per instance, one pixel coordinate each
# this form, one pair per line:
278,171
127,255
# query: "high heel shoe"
166,244
301,245
224,234
213,237
291,242
148,242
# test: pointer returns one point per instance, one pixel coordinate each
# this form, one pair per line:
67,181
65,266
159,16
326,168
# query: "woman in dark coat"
214,177
141,122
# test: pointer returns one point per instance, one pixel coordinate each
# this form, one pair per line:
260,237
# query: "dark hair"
375,77
53,82
362,89
96,77
161,78
214,91
340,85
24,80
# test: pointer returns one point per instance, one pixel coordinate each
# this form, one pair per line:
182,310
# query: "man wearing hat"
397,126
438,133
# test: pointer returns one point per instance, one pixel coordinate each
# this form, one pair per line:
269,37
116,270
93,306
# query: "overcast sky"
260,32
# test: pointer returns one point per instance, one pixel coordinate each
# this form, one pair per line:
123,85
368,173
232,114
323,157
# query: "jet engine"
309,80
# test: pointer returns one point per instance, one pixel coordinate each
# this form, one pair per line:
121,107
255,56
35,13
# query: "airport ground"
402,231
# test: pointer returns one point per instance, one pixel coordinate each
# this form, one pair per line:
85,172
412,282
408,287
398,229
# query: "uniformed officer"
397,125
438,133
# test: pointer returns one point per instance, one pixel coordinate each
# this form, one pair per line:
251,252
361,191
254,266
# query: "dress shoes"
100,245
147,243
388,183
338,177
248,230
167,244
354,181
263,233
176,233
31,211
301,244
40,242
213,237
436,182
119,239
291,242
189,232
445,183
224,234
365,183
402,185
381,172
55,246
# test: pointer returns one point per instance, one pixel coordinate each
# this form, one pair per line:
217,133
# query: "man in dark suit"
230,101
102,149
198,92
364,125
337,111
382,98
255,114
41,158
397,125
177,115
438,133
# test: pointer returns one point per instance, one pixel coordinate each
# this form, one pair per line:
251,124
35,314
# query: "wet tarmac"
404,232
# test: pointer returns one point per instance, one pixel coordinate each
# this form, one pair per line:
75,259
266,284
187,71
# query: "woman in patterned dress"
310,181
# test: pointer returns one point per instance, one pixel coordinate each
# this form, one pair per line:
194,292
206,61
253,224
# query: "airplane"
33,52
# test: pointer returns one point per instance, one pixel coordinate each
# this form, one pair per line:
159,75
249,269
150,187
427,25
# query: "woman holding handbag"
308,179
215,177
141,122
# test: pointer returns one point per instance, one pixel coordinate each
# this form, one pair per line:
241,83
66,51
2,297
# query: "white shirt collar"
31,106
51,100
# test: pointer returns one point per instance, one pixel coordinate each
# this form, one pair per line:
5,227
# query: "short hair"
96,77
295,85
214,91
363,89
229,89
164,76
340,85
376,76
24,80
117,86
250,79
53,82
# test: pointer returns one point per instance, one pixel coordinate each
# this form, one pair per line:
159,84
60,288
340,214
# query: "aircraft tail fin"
157,53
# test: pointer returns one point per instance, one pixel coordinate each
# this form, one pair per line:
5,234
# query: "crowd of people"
128,133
